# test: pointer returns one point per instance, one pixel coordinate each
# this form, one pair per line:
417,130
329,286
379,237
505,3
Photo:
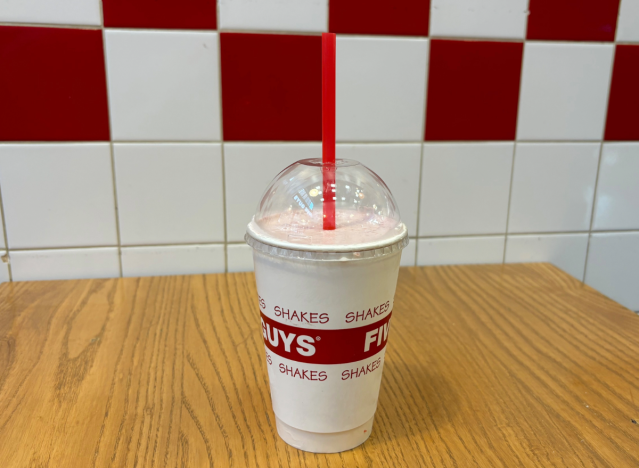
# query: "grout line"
593,210
530,234
226,244
430,18
309,143
550,141
328,16
102,16
569,41
222,243
88,142
607,231
510,196
5,236
513,160
223,165
54,25
167,142
617,20
117,210
270,31
112,156
476,38
184,244
425,100
74,247
601,145
527,18
43,142
467,142
421,149
217,17
355,142
459,236
314,33
419,201
164,30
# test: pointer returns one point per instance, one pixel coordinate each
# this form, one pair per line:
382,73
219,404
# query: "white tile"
617,203
51,11
565,251
4,267
564,90
380,88
249,168
460,250
478,18
465,188
163,85
37,265
553,187
169,193
278,15
172,260
239,258
398,166
628,23
408,254
613,267
58,195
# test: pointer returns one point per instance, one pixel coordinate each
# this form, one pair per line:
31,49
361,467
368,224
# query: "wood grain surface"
490,366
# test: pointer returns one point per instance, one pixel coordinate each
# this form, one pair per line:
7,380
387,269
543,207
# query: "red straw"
328,129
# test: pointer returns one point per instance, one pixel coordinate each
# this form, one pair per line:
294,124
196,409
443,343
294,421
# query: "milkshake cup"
325,299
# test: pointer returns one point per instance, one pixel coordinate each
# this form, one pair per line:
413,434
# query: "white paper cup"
325,325
326,298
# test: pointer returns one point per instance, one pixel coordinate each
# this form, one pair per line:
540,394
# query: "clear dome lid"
291,212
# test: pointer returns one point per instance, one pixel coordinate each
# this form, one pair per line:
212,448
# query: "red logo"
315,346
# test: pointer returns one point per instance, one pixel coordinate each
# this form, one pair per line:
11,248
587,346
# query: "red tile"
573,20
53,85
405,18
170,14
271,87
623,106
473,90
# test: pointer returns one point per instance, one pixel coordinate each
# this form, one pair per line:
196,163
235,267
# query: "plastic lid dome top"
290,214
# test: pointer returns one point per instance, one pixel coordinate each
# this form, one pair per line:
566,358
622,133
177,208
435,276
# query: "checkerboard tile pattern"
136,136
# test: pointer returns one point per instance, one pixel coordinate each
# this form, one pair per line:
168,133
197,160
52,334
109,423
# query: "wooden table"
515,365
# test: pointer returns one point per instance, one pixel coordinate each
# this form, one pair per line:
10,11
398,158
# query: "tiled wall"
136,136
